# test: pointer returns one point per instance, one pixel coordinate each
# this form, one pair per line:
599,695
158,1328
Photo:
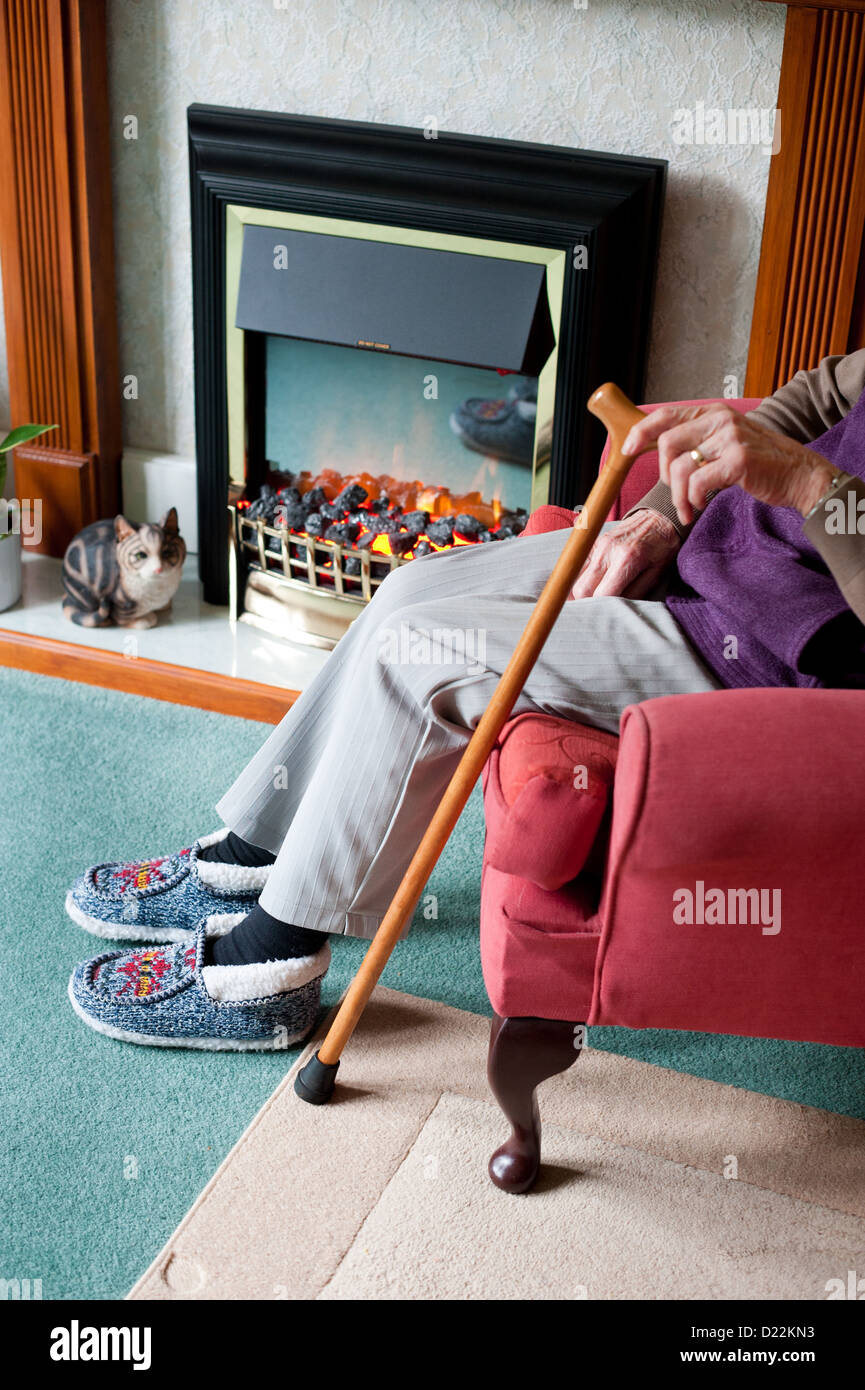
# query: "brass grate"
312,561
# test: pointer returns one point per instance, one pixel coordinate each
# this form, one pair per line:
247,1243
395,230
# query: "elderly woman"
744,566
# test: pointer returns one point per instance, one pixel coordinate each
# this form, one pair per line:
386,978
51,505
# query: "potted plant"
10,535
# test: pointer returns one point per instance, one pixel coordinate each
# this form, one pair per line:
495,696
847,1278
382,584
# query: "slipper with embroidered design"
168,995
162,899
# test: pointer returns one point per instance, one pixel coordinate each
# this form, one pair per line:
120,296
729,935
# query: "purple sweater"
747,571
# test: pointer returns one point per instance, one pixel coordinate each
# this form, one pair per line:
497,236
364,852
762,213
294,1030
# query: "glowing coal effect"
381,514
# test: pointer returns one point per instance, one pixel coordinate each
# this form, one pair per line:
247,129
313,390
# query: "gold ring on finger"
698,458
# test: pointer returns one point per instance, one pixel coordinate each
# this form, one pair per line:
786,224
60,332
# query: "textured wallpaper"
611,75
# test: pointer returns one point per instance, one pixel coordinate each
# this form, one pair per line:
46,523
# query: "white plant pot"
10,571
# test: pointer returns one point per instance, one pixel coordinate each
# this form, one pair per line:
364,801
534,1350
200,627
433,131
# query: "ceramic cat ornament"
117,572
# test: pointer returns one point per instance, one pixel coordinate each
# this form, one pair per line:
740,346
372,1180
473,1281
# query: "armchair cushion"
553,774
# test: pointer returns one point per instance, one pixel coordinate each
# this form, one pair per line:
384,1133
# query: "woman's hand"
738,451
630,558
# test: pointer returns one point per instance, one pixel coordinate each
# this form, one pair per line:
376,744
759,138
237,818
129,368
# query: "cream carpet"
655,1185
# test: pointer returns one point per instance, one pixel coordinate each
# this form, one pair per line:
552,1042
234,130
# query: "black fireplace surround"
604,208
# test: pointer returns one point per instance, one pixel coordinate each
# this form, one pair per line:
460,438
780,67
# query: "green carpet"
105,1145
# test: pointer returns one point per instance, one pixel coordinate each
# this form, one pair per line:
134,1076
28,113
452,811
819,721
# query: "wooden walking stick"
315,1082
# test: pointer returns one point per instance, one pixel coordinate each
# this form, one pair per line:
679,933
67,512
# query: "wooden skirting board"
160,680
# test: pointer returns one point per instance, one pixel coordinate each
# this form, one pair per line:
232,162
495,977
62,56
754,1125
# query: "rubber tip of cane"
315,1082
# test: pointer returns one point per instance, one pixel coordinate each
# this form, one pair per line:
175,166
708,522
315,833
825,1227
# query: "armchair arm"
733,901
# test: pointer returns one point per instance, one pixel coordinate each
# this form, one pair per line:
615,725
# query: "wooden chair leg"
523,1053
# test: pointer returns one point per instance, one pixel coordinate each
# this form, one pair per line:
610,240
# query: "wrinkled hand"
630,558
738,452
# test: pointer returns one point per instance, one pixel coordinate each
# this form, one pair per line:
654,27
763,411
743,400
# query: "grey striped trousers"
343,788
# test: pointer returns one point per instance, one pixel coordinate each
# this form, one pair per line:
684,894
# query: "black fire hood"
478,311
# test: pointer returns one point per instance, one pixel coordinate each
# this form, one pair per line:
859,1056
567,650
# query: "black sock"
260,937
232,850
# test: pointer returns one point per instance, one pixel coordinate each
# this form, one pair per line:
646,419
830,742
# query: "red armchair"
735,790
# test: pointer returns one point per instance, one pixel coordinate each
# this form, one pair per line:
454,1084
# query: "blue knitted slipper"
165,996
162,899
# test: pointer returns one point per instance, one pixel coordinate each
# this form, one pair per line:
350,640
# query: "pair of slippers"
163,993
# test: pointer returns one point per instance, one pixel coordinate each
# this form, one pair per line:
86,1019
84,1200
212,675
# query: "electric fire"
315,237
405,519
341,536
356,304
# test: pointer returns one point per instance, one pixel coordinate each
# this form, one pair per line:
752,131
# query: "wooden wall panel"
810,296
56,244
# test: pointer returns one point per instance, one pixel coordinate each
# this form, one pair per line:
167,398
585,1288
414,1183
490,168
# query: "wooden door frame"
57,249
810,294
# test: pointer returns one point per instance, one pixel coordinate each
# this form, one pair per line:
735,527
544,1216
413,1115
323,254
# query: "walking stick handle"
616,413
612,407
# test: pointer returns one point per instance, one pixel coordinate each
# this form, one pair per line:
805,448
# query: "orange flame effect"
411,496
